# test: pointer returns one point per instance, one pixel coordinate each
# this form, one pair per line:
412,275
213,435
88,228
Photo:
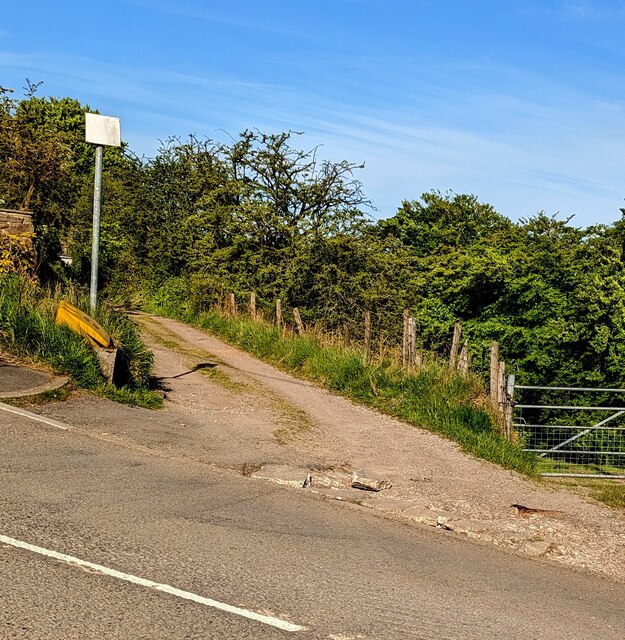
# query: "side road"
227,409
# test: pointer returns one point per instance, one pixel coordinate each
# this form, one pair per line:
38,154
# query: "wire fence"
574,440
571,439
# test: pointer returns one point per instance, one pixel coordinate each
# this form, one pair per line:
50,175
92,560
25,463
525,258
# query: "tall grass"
28,330
137,359
432,396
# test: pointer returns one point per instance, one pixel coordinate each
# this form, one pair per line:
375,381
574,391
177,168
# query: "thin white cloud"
219,81
593,10
559,150
212,14
85,75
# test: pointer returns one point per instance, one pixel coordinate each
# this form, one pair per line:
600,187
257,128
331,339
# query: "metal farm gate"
573,438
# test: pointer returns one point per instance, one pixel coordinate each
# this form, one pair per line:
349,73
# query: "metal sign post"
95,243
101,131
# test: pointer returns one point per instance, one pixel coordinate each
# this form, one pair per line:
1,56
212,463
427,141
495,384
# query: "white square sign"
103,130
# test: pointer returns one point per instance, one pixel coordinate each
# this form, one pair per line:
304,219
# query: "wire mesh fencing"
573,439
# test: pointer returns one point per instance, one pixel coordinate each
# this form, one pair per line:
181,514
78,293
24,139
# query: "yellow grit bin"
83,324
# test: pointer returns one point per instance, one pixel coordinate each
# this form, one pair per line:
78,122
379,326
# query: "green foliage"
145,398
438,223
552,295
17,255
45,167
27,328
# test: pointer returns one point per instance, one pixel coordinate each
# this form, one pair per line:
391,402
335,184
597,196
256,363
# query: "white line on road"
33,416
187,595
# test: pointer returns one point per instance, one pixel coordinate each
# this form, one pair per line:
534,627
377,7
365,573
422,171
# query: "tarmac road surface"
289,563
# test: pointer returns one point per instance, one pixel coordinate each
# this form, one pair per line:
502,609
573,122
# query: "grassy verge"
28,331
611,494
432,397
55,395
559,466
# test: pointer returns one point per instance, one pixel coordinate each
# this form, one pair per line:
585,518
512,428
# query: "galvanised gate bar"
573,439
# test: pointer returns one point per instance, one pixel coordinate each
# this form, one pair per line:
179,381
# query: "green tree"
237,216
439,222
286,192
45,163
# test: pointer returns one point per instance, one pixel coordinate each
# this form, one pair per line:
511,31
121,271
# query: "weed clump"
28,331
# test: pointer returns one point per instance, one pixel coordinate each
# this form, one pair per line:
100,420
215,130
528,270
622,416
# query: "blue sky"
521,103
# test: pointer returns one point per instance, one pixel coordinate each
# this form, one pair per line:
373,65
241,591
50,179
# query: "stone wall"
16,223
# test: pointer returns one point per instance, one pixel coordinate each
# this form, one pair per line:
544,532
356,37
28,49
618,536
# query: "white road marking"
33,416
187,595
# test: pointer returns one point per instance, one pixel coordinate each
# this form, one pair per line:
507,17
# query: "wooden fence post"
509,406
279,312
253,305
453,354
347,338
404,346
494,374
463,360
417,358
232,304
501,396
367,335
411,347
298,321
501,383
